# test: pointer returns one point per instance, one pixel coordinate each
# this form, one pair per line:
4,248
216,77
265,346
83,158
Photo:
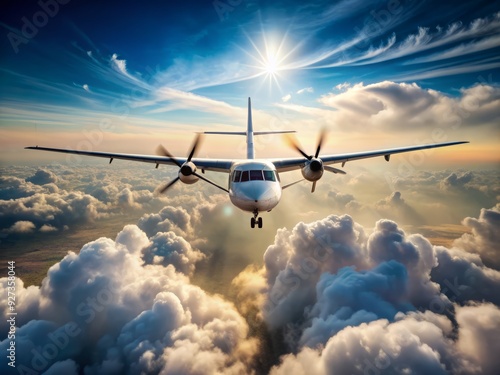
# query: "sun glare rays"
271,58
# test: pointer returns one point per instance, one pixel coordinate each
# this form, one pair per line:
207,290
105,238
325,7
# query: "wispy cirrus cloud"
425,39
461,50
442,71
348,53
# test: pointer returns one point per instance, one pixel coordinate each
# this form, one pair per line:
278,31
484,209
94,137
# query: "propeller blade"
168,186
162,151
292,142
322,137
313,187
210,182
194,146
333,170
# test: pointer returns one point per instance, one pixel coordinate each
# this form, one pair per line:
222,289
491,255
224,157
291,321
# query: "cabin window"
236,176
244,176
256,175
269,176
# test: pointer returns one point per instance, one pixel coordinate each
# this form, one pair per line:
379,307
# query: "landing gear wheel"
256,220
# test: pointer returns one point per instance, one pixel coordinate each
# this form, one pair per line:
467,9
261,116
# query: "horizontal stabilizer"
227,133
254,133
274,132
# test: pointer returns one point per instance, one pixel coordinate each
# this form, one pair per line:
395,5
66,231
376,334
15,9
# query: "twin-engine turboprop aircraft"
254,184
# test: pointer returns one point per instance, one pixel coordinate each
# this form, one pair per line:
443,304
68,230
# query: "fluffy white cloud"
295,262
349,298
485,236
388,302
390,105
170,218
42,177
55,209
23,226
53,199
479,325
415,343
168,248
105,311
463,276
336,297
454,181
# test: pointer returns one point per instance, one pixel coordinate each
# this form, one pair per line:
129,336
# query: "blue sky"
194,63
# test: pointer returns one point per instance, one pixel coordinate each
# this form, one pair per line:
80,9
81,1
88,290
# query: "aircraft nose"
258,193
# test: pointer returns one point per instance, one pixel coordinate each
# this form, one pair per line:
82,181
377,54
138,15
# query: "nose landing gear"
256,220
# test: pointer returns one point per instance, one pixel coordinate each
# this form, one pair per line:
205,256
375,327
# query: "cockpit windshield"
254,175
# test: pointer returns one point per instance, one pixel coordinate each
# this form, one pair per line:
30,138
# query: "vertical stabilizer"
250,149
250,133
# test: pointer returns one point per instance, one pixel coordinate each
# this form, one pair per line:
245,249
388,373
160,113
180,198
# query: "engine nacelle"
313,169
186,173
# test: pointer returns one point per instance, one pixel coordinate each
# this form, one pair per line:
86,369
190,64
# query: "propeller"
316,164
188,168
292,141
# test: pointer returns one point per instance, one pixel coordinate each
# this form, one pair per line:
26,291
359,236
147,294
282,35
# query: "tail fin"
250,133
250,149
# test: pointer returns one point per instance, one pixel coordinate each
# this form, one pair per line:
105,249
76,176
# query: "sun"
272,64
270,58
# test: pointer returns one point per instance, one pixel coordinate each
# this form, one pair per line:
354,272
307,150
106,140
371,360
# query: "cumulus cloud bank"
390,105
485,236
345,301
51,199
336,298
332,296
107,310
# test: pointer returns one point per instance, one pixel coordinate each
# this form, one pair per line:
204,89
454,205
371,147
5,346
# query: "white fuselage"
254,185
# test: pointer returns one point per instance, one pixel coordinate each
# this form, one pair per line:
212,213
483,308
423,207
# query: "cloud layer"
345,301
396,106
326,287
391,300
107,304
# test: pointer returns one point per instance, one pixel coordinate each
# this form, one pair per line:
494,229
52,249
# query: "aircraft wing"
288,164
218,165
